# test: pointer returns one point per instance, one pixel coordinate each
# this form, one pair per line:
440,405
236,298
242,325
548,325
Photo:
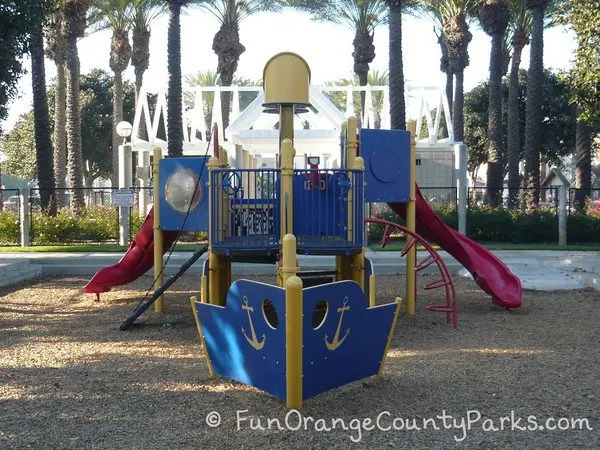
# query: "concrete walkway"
537,269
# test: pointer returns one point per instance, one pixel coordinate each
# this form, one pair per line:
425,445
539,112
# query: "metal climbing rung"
408,246
436,284
425,263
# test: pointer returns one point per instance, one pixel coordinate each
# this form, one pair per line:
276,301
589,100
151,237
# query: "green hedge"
93,224
10,233
512,226
383,211
485,224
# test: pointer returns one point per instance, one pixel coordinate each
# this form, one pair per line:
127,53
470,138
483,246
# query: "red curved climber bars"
450,307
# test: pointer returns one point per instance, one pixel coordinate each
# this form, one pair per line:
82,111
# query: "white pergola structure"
256,131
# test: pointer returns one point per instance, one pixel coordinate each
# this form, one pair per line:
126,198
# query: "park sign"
123,197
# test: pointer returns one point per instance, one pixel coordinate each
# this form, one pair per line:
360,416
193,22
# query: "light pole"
125,201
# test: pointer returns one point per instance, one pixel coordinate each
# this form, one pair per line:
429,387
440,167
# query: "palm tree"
56,50
494,16
116,16
144,13
533,108
396,67
519,30
41,117
360,16
75,23
226,43
454,15
174,93
583,162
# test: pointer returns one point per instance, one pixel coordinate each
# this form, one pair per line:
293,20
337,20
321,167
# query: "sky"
326,47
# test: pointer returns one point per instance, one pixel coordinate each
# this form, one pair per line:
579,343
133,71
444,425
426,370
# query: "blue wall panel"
387,164
170,219
258,358
361,337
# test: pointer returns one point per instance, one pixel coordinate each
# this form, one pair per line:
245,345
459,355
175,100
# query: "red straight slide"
138,259
488,271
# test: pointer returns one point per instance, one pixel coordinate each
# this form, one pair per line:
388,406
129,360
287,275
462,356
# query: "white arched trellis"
425,104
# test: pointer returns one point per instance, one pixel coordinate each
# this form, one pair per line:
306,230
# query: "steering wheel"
343,183
231,183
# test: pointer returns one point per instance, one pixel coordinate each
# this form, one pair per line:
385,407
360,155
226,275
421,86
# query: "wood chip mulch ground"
70,379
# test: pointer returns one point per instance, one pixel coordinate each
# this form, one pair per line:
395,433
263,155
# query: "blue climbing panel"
241,343
387,164
350,342
179,216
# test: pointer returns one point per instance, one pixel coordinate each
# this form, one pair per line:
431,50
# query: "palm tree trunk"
533,111
226,80
139,81
174,95
514,138
396,69
140,60
60,140
583,163
41,117
228,48
74,158
117,116
495,169
458,119
450,92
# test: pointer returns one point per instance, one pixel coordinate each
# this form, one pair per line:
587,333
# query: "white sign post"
124,197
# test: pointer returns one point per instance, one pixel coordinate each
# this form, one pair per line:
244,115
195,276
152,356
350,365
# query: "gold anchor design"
336,339
253,342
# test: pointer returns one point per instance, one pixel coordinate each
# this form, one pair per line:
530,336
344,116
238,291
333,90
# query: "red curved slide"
138,259
488,271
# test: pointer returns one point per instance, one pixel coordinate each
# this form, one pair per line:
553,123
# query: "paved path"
537,269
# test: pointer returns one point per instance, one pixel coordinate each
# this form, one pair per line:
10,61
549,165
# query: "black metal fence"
584,200
98,222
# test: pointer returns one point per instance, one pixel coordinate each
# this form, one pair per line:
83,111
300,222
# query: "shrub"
10,233
514,226
93,224
446,211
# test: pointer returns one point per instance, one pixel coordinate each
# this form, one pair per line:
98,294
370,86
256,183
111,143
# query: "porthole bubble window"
183,191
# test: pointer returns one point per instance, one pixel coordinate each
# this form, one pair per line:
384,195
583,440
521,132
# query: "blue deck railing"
321,219
245,209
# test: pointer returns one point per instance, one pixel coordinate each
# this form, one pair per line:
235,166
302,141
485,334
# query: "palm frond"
234,11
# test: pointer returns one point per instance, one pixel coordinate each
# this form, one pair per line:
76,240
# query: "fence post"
460,162
24,216
562,215
124,182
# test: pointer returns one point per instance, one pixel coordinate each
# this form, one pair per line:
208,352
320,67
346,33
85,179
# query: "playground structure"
313,331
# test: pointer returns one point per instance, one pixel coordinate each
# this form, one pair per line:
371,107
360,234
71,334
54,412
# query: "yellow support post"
159,305
289,267
371,291
293,338
389,340
287,200
214,269
411,256
286,123
340,274
203,287
358,261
